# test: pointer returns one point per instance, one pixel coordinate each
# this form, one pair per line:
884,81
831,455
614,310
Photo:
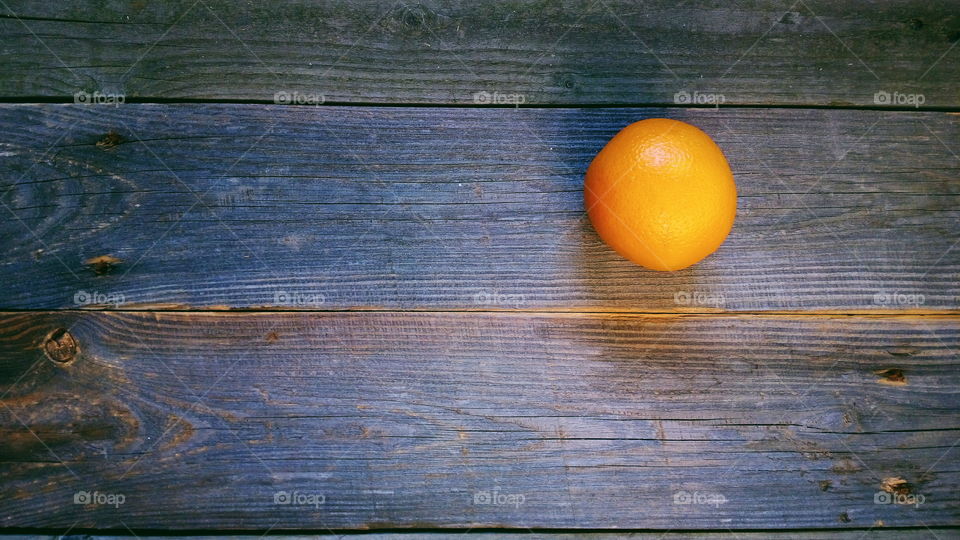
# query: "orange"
661,194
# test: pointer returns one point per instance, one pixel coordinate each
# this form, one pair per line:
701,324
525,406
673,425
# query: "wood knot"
61,347
896,485
892,376
110,140
104,264
790,17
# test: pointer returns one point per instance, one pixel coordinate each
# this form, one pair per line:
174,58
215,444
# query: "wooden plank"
200,206
814,52
924,533
402,419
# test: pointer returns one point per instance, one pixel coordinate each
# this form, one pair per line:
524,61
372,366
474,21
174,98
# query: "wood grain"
925,533
402,419
811,52
230,206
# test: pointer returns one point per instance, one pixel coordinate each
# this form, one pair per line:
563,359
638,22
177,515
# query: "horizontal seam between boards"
364,530
43,100
932,314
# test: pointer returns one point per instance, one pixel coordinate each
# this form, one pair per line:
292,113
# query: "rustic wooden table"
323,267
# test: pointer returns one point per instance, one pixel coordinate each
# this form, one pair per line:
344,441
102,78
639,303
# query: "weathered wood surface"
199,206
402,419
814,52
927,533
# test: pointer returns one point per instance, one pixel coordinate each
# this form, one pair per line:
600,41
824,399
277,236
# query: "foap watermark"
492,298
684,97
898,299
97,498
911,499
299,498
698,298
284,97
498,98
883,97
99,98
298,298
94,298
495,498
699,497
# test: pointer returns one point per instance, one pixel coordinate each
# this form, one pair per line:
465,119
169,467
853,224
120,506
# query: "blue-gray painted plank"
443,208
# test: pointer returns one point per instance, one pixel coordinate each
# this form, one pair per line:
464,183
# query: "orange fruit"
661,194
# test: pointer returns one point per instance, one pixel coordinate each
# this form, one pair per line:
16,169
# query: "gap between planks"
41,100
220,310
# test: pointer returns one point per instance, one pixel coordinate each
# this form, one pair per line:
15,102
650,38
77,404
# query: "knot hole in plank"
61,347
